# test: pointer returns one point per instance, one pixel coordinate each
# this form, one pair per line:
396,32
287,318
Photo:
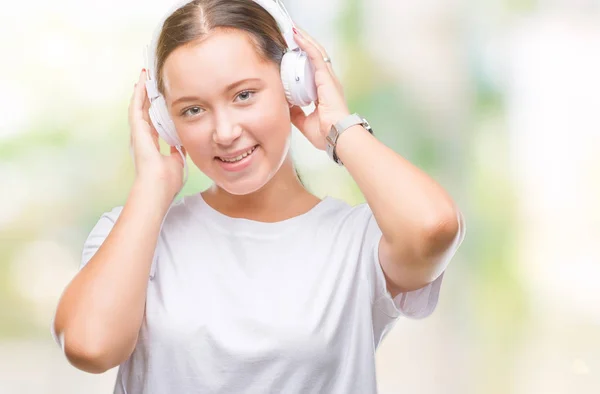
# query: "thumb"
298,118
178,156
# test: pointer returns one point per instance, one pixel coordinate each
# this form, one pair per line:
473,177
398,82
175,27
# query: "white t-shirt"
240,306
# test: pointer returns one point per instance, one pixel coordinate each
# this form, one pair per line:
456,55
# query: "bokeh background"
498,100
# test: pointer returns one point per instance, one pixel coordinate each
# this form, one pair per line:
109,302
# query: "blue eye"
192,111
246,95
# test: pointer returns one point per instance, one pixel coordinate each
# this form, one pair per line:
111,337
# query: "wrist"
349,124
153,194
351,140
340,116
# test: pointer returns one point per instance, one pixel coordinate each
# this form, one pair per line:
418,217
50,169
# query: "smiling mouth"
238,158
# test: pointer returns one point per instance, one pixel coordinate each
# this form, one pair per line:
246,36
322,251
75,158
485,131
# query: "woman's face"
229,108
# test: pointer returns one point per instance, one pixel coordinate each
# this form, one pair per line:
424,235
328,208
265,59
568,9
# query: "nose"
226,130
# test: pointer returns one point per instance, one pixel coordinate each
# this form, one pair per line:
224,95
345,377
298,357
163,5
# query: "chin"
247,176
246,182
242,186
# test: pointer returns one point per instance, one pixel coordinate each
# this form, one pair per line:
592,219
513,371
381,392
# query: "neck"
281,198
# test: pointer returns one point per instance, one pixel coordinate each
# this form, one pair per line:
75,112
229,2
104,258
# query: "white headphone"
297,74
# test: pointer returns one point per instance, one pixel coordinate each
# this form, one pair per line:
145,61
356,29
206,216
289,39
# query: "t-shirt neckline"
254,228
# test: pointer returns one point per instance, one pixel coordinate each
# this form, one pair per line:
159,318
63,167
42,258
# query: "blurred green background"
498,100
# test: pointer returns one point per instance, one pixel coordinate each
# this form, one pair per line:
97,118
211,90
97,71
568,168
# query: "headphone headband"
273,7
297,74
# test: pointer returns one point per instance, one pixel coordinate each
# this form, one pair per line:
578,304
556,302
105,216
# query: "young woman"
254,285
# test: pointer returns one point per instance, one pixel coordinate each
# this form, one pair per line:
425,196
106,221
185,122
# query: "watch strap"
338,128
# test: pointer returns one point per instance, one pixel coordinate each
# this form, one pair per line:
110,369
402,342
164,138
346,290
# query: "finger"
310,39
146,107
132,102
138,98
155,136
177,155
314,54
129,116
146,116
320,47
132,108
173,149
324,54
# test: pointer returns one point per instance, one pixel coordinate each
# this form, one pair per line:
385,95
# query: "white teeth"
238,158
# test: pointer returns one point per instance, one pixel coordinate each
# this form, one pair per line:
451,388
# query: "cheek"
197,142
271,121
267,123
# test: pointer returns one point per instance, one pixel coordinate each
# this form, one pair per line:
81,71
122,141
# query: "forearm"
418,219
409,206
100,313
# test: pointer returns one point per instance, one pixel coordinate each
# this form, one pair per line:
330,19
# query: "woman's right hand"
152,168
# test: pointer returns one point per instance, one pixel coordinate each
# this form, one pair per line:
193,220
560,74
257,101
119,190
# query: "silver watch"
338,128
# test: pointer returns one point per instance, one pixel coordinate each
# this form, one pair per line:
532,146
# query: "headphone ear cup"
162,122
298,78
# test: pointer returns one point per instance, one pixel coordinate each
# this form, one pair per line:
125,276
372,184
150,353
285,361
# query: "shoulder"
337,209
342,216
178,211
182,208
112,215
105,222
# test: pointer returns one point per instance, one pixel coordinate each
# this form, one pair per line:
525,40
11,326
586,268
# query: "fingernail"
296,31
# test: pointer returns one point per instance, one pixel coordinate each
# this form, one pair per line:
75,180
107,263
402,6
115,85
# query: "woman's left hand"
330,106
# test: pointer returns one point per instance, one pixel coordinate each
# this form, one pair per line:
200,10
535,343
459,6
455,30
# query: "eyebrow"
229,87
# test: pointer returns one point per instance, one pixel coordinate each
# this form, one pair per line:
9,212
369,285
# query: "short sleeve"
91,245
94,240
386,310
99,233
